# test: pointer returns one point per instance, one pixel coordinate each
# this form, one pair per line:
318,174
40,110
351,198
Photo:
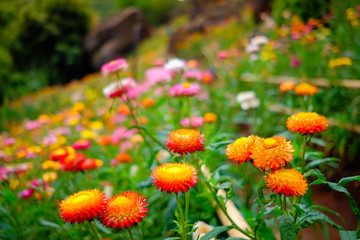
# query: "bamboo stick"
321,82
231,210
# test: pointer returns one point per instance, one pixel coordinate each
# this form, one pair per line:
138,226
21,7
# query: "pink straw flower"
118,88
184,89
157,75
193,74
294,62
82,144
196,121
113,66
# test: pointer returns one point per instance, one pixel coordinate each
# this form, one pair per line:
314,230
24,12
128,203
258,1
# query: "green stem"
189,110
303,147
93,231
181,217
187,202
221,206
130,234
283,205
151,136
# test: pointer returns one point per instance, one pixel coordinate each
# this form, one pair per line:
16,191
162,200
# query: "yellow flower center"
240,141
270,142
186,85
121,201
175,169
82,197
307,115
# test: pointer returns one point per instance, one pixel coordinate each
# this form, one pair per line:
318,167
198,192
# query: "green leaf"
49,224
102,228
353,204
260,188
318,162
228,188
318,141
287,229
215,146
346,180
311,216
315,173
225,185
172,238
263,232
216,231
236,238
328,210
347,235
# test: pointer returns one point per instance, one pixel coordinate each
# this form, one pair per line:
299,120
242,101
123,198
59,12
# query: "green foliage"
304,8
40,44
287,228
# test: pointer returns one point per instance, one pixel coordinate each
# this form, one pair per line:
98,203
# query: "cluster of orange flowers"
276,152
121,211
302,89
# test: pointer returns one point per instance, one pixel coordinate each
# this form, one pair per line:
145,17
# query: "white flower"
175,64
259,40
247,100
202,229
163,155
251,48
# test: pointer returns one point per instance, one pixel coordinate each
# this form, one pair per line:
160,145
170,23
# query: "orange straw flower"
83,206
174,177
307,122
272,153
185,141
124,210
210,117
306,89
287,86
287,181
240,150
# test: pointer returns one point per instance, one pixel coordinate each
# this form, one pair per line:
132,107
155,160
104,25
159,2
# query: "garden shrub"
41,43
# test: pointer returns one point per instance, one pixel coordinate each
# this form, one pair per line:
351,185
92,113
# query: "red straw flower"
174,177
83,206
185,141
124,210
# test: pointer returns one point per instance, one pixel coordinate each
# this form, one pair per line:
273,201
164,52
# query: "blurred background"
46,42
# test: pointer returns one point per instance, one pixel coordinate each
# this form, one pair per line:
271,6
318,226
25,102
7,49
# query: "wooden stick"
231,210
321,82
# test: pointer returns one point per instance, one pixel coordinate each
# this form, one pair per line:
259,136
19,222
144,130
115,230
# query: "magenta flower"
113,66
196,121
4,173
294,61
118,88
193,74
184,89
81,144
30,125
49,139
222,55
121,133
157,75
9,141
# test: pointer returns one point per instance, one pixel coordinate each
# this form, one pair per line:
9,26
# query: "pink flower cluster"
113,66
184,89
